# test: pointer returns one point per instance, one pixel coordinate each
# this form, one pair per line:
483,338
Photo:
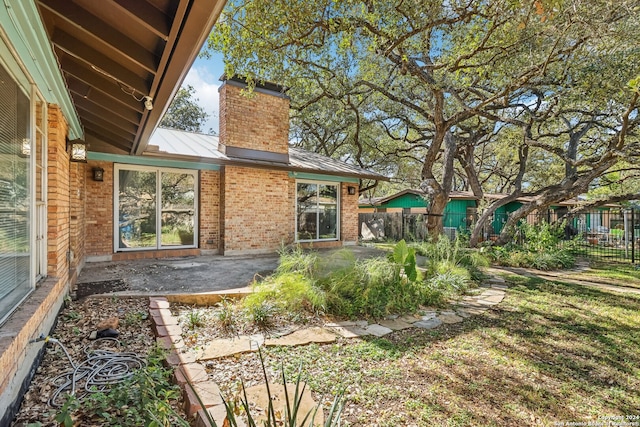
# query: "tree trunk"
479,226
438,195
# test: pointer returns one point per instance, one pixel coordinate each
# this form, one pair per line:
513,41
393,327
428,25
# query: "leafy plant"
541,247
226,314
133,318
195,319
298,261
147,395
64,415
261,314
406,257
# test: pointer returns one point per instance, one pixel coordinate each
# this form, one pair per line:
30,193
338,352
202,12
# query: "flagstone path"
191,375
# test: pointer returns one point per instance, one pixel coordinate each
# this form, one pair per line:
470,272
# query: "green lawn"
549,353
613,273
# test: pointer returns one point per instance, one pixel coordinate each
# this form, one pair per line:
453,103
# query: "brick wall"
37,314
258,122
99,211
209,216
258,210
348,213
77,180
58,200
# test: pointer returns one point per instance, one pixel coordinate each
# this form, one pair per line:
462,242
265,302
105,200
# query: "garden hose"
102,369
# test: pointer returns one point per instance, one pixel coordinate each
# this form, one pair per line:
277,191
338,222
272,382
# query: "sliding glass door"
316,211
156,208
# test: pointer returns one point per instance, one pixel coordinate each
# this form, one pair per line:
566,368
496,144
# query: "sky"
204,76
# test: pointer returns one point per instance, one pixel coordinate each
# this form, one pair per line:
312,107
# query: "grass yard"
612,273
549,353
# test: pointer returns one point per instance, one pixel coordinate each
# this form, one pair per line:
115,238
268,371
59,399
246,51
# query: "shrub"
288,291
371,287
541,247
443,251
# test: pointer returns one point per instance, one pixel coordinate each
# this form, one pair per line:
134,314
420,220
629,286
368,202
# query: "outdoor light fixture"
351,190
98,174
78,151
26,147
148,103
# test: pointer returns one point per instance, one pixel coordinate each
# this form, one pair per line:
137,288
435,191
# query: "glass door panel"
137,209
328,212
178,208
307,211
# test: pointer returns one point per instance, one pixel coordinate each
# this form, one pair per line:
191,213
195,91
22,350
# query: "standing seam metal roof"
182,143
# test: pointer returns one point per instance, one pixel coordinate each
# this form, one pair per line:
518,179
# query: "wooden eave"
114,53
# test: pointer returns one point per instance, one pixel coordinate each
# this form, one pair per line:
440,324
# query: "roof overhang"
116,55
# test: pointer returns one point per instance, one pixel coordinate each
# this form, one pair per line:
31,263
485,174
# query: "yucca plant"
291,410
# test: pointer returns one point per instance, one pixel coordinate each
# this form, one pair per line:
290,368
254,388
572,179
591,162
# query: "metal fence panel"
611,233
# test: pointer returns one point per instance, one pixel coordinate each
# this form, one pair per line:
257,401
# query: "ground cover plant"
550,353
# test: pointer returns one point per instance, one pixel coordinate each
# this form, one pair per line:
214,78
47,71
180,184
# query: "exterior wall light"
78,151
98,174
351,190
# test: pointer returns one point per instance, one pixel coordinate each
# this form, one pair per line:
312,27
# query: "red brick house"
86,78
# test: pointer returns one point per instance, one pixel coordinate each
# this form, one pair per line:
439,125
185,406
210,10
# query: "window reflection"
317,211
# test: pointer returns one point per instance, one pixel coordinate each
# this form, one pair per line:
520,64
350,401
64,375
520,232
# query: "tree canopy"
524,97
184,113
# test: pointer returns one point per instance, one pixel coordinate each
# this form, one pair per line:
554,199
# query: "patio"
184,275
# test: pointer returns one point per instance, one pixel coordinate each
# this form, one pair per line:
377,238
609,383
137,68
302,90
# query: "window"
16,246
316,211
156,208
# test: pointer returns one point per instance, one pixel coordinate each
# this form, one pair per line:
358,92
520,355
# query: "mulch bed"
75,323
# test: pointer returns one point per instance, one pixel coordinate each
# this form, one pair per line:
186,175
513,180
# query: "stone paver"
486,302
428,323
491,291
224,347
450,318
396,324
410,318
378,330
259,397
302,337
428,315
357,323
494,298
463,313
349,331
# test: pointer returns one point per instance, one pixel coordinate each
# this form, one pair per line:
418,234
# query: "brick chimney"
254,127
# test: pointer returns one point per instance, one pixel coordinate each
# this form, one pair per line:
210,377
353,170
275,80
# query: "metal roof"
453,195
176,143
